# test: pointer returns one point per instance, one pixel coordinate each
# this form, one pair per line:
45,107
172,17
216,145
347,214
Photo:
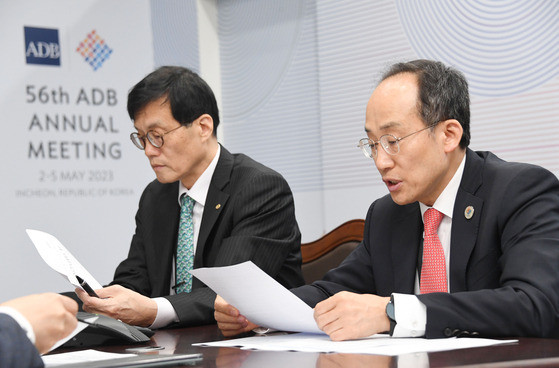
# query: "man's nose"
150,149
383,160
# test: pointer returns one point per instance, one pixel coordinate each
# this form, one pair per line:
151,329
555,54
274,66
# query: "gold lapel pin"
469,212
218,206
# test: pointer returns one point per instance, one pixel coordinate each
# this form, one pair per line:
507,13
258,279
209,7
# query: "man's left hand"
121,303
347,316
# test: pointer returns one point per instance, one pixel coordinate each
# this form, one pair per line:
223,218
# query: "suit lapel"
405,248
167,224
465,225
215,202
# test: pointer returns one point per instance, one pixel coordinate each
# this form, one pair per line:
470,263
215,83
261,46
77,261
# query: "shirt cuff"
165,314
411,316
21,320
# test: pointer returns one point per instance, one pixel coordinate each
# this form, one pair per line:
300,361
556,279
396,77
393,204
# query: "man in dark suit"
31,325
489,269
240,209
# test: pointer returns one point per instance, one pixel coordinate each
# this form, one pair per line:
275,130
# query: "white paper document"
63,262
101,359
81,356
259,297
60,259
377,344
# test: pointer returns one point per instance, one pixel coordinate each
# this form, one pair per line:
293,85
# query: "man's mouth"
392,185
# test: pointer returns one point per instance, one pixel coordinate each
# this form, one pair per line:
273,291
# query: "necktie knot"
432,219
188,202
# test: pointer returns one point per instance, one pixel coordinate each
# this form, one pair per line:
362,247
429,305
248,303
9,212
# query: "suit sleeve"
16,350
259,225
354,274
522,219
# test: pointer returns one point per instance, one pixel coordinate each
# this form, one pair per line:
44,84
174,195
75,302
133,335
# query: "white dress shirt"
410,313
165,312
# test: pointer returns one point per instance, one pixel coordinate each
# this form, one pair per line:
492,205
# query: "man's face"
182,156
420,171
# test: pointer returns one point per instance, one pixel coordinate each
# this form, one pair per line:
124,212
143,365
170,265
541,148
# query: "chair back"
330,250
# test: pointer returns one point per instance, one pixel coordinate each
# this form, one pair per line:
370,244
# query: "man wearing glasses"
465,244
207,208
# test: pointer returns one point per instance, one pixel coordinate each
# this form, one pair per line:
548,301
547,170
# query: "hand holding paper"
259,297
230,320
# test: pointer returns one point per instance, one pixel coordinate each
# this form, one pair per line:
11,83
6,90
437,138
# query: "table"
528,352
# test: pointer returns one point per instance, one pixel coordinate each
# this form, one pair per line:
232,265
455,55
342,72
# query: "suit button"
447,332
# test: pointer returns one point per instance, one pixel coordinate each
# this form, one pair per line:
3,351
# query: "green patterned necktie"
185,247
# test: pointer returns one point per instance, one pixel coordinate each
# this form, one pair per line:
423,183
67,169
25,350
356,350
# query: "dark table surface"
528,352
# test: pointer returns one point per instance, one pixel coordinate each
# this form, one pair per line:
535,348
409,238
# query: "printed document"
261,299
376,344
60,259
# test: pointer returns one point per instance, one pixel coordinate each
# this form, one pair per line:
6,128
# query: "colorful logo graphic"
94,50
41,46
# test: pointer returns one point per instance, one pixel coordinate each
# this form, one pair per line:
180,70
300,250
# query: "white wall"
296,77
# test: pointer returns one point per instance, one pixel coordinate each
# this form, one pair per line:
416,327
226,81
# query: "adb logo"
94,50
42,46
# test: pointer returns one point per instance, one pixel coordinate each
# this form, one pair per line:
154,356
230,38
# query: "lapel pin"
218,206
469,212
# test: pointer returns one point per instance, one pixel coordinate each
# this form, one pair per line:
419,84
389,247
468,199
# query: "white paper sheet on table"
259,297
377,344
60,259
81,356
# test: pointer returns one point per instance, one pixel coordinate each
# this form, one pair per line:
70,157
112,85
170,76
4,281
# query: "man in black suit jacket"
30,326
500,229
243,210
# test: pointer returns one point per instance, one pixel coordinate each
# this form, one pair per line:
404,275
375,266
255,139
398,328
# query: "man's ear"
206,124
452,130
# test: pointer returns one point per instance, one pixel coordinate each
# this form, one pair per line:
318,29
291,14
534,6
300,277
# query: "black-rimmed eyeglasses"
154,138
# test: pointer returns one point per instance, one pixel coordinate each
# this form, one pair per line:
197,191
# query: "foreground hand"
346,315
121,303
52,316
229,320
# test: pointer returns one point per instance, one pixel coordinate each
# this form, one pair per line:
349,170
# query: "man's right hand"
229,320
51,315
120,303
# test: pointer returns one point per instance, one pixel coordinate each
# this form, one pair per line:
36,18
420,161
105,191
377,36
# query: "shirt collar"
445,201
199,190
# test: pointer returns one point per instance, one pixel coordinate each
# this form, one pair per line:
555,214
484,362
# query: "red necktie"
433,268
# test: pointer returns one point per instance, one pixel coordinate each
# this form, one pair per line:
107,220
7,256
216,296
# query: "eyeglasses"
155,139
388,142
